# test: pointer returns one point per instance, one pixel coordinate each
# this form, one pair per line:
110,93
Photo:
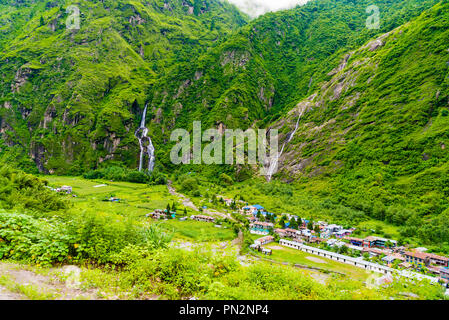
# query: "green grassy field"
198,231
284,254
136,200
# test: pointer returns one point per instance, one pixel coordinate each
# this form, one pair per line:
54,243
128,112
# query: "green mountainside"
374,137
69,98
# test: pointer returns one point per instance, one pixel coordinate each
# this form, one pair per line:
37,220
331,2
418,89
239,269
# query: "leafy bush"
115,173
23,237
18,189
99,238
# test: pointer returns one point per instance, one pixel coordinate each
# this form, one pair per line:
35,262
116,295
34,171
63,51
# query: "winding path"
186,202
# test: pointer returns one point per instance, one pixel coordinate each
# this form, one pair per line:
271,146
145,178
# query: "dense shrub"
99,238
18,189
115,173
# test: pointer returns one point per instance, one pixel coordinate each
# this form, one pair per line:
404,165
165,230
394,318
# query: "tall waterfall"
274,162
146,145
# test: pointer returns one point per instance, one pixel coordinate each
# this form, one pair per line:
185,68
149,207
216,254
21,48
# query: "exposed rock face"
37,154
20,79
136,20
49,115
236,60
326,135
111,143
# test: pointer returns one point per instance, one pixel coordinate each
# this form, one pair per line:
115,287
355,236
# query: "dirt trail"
42,286
186,202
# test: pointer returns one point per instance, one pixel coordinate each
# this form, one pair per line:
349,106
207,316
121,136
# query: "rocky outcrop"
20,79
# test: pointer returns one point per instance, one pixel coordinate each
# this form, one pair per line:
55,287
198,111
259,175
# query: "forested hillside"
70,98
270,64
375,136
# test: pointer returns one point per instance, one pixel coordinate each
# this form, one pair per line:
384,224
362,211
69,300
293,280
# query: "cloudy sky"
257,7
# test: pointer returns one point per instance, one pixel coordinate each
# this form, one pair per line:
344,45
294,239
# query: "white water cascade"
274,162
146,145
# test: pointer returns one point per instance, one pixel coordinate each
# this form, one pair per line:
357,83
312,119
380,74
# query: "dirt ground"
317,260
20,277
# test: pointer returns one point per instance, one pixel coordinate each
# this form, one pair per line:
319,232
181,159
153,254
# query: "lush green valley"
363,114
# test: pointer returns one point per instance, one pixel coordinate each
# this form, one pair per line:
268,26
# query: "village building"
252,210
252,219
355,248
417,258
158,214
281,233
355,241
400,250
264,240
315,240
333,228
254,246
444,273
335,242
266,251
405,265
433,270
390,259
376,242
438,260
66,189
228,202
373,252
292,233
342,233
261,227
203,218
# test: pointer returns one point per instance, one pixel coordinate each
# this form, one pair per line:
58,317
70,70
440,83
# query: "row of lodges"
160,214
202,218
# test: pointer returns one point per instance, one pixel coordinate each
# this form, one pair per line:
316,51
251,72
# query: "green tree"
310,225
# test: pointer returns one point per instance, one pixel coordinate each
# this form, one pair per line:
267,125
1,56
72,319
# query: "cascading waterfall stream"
274,162
145,143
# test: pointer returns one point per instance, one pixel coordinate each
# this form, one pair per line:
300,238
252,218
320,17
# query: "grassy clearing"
136,201
198,231
298,257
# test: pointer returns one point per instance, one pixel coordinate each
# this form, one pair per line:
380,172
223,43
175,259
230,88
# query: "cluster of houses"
337,236
162,214
202,218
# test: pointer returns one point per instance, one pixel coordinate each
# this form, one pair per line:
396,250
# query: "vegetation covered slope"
69,98
375,136
267,66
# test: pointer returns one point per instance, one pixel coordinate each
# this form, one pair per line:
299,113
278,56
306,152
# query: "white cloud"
257,7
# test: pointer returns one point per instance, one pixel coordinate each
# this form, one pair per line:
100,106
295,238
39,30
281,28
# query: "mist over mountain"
256,8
